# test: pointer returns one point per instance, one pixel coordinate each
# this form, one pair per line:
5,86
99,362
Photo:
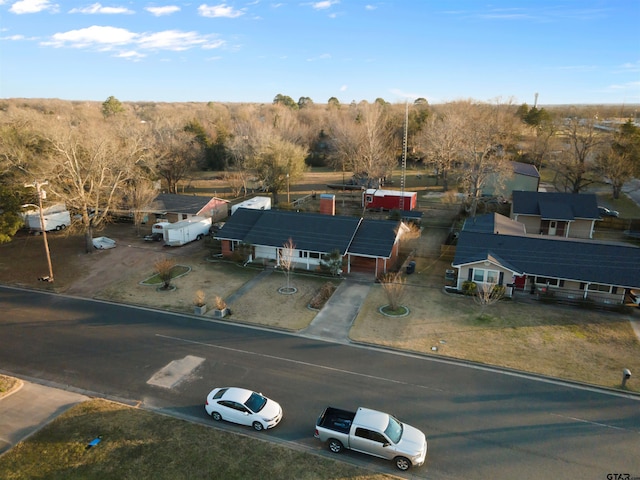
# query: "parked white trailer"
255,203
185,231
56,217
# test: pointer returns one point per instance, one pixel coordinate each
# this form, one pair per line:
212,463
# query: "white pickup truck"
372,432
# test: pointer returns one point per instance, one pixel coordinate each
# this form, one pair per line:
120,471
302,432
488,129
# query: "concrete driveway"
29,408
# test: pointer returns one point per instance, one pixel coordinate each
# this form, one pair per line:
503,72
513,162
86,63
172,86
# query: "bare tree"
488,133
285,259
575,168
174,151
620,159
139,192
441,141
363,140
488,293
394,286
88,168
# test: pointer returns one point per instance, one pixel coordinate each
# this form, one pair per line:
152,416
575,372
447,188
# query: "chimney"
327,204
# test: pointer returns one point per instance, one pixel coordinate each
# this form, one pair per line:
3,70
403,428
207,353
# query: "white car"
239,405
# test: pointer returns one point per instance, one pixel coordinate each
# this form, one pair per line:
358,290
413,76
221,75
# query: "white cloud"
98,8
174,40
130,55
13,37
625,86
221,10
343,88
113,38
32,6
370,7
213,44
324,4
160,11
631,67
92,36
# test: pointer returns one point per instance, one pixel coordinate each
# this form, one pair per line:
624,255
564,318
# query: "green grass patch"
138,444
483,319
177,271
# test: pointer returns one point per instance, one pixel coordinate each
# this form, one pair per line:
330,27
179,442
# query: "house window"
598,287
478,275
302,254
546,280
486,276
314,255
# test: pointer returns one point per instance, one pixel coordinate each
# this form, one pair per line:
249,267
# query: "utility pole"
38,186
404,155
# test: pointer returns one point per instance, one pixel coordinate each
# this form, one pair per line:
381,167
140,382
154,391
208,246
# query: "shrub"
469,287
220,303
324,294
199,299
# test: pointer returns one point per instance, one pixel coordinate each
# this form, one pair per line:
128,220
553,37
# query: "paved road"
480,423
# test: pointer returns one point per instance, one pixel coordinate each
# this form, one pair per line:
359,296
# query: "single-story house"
173,208
495,250
556,213
524,176
365,245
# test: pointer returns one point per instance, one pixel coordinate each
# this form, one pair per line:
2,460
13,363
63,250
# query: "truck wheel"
199,237
58,228
402,463
335,445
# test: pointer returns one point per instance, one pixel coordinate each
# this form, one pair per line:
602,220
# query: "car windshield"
394,429
256,402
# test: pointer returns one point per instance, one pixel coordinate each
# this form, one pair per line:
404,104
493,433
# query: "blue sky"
569,52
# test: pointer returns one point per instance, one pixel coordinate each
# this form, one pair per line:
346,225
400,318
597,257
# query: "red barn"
374,199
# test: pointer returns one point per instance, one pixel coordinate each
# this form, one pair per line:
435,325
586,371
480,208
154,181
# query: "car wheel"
402,463
335,445
199,237
257,426
216,416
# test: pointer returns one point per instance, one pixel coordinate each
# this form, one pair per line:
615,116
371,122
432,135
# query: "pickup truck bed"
336,419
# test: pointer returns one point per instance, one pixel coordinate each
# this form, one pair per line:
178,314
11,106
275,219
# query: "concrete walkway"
246,288
334,321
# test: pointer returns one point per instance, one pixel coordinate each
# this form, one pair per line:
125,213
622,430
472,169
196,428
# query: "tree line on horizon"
98,157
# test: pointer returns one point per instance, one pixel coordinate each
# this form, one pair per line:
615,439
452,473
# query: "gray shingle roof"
579,260
525,169
567,206
172,203
311,231
494,223
374,238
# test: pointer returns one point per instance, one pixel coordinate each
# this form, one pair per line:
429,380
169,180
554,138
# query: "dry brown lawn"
566,342
570,343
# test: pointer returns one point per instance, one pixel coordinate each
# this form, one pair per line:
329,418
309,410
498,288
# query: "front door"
553,226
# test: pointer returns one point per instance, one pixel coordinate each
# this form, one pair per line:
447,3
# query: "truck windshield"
394,429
